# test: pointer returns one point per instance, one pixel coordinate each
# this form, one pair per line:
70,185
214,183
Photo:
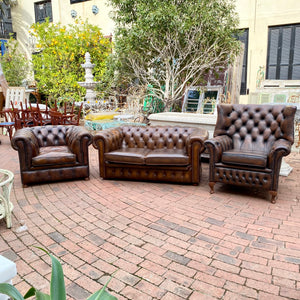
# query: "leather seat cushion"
127,156
54,155
167,157
245,158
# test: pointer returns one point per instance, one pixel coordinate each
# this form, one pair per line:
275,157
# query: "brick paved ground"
163,241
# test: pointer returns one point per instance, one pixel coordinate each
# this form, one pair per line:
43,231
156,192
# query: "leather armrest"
26,143
106,141
217,145
279,149
78,139
111,139
281,145
196,136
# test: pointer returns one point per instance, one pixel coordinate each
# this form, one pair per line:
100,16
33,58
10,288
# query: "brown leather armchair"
52,153
249,143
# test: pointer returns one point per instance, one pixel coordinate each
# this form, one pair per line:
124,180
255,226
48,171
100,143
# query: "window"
201,99
6,28
244,39
283,61
43,10
77,1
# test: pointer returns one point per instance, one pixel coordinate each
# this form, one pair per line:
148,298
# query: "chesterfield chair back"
52,153
249,143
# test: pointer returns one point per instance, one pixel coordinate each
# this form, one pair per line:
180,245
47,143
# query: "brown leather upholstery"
170,154
249,143
52,153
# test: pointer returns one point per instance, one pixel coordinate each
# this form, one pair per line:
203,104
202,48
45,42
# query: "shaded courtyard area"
161,241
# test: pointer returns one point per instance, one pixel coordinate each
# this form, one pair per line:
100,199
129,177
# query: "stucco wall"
258,15
62,13
23,17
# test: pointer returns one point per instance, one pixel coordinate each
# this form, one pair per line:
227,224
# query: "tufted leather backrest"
255,127
50,135
158,137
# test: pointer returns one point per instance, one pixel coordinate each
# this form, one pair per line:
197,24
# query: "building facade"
27,12
271,32
272,41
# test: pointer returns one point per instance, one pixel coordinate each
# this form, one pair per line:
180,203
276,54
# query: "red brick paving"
163,241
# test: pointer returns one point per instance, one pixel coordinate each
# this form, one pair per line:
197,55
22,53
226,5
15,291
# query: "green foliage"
169,37
57,287
60,53
15,65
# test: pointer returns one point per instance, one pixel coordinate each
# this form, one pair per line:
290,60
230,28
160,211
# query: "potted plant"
57,287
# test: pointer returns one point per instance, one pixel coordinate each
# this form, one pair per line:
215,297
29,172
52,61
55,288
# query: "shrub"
15,65
60,52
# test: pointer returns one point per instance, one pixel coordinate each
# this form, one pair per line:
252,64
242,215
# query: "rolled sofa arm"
198,135
281,145
26,143
279,149
111,139
217,145
105,141
78,140
194,148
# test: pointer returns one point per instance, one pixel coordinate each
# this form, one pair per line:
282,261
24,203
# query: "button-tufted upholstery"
151,153
52,153
249,143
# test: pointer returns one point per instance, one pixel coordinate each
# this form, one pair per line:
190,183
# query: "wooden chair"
16,116
29,116
42,117
7,124
56,117
66,118
46,115
71,118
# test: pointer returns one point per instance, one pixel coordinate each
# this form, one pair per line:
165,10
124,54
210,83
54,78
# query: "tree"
3,7
171,44
60,51
15,65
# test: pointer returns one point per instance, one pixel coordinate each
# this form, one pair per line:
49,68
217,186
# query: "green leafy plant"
60,51
172,44
15,65
57,287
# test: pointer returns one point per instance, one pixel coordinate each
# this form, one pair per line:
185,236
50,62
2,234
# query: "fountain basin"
87,85
97,125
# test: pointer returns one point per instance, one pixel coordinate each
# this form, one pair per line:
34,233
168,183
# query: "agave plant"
57,287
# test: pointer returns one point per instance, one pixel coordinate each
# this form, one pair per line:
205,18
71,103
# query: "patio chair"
249,143
7,123
16,96
72,118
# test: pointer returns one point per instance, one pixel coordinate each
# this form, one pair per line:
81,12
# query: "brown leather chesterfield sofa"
169,154
249,143
52,153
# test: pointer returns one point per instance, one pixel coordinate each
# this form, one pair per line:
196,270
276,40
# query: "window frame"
36,9
244,89
291,53
77,1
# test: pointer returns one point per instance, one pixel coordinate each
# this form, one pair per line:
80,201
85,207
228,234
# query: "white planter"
8,271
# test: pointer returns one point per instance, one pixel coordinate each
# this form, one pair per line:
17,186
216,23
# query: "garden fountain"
89,84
